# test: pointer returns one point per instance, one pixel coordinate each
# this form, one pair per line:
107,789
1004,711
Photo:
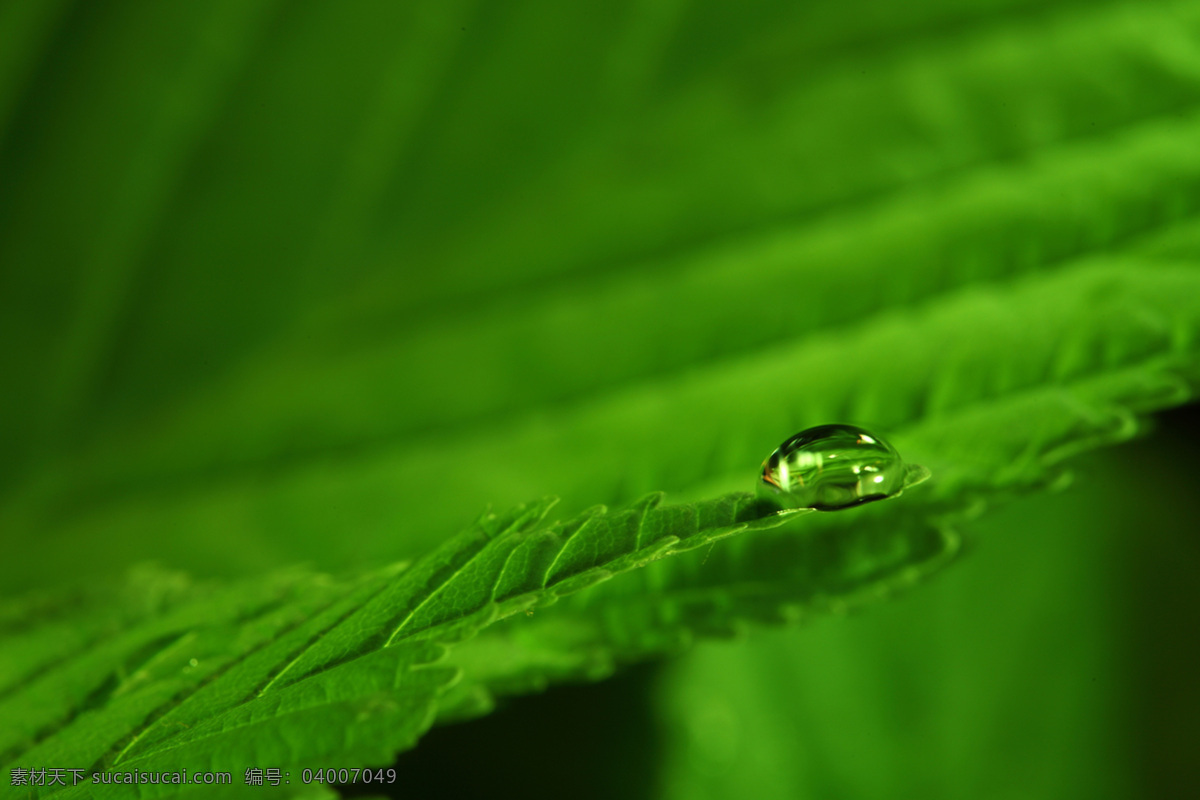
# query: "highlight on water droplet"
831,467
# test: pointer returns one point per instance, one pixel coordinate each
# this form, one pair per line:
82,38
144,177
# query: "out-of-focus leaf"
280,271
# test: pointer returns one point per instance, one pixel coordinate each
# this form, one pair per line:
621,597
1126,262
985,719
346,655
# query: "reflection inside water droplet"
830,467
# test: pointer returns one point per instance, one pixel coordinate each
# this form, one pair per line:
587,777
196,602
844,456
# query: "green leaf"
283,284
313,338
300,670
1069,390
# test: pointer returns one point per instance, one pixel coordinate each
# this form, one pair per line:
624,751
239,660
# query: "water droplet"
830,467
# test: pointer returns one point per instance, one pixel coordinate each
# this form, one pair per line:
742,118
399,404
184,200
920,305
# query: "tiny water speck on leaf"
831,467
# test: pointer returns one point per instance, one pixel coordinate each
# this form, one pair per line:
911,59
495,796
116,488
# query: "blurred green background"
305,281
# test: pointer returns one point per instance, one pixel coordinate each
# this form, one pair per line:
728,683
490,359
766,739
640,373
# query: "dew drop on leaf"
830,467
